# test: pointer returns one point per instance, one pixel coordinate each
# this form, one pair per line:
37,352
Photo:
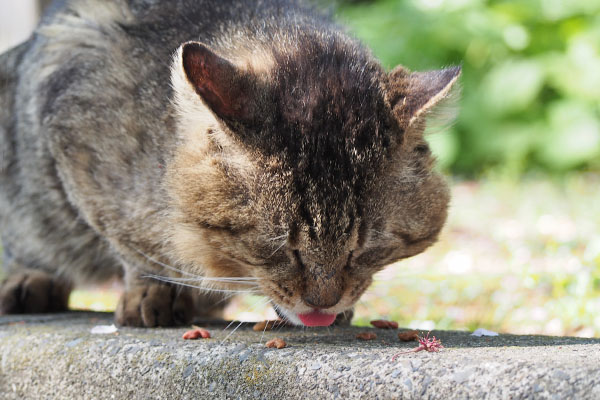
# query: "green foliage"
531,75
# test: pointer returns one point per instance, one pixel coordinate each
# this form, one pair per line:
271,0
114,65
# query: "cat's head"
305,167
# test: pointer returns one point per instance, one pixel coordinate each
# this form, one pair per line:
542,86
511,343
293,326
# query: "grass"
516,257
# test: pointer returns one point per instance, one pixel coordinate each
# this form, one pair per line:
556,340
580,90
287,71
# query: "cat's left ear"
223,87
413,94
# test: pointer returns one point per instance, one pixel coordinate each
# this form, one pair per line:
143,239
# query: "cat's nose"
323,282
322,298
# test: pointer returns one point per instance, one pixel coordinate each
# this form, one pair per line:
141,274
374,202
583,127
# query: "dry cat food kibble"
277,343
384,324
366,336
408,336
266,325
196,333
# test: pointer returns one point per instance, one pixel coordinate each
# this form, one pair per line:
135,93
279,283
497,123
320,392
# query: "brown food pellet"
408,336
196,333
266,325
366,336
277,343
384,324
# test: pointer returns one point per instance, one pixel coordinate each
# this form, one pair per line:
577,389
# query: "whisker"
346,317
278,248
241,322
227,327
253,308
225,298
167,280
278,237
265,328
165,265
223,280
231,333
286,321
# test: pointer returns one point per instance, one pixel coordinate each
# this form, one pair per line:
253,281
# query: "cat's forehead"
328,107
332,129
327,79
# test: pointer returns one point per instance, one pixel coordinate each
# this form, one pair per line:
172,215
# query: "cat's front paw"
32,291
155,305
344,318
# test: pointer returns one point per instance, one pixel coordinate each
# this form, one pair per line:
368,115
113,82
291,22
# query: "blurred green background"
531,76
521,250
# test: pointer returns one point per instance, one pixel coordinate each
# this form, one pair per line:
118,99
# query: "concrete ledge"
56,356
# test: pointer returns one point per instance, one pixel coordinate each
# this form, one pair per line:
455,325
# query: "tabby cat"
197,148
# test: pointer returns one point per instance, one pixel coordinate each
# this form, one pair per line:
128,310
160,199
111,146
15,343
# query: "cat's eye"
298,260
348,265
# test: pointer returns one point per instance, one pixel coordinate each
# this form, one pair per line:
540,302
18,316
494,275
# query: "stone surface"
56,356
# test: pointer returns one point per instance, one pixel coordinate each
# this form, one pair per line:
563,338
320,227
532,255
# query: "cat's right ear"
223,87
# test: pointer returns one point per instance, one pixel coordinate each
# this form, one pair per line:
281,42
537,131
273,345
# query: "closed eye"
410,240
348,265
227,229
373,258
240,260
298,260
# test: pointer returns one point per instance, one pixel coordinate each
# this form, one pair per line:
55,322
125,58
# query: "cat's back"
9,62
103,55
103,52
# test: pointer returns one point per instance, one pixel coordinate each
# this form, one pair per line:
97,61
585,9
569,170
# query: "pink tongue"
316,318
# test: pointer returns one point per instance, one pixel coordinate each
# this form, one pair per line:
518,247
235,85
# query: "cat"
200,148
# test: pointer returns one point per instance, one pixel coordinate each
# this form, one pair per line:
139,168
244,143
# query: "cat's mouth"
313,318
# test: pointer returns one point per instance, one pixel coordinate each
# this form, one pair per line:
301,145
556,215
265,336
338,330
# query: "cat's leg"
344,318
147,303
153,305
27,290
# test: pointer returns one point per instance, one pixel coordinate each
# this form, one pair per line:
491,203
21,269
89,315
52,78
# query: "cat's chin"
314,318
